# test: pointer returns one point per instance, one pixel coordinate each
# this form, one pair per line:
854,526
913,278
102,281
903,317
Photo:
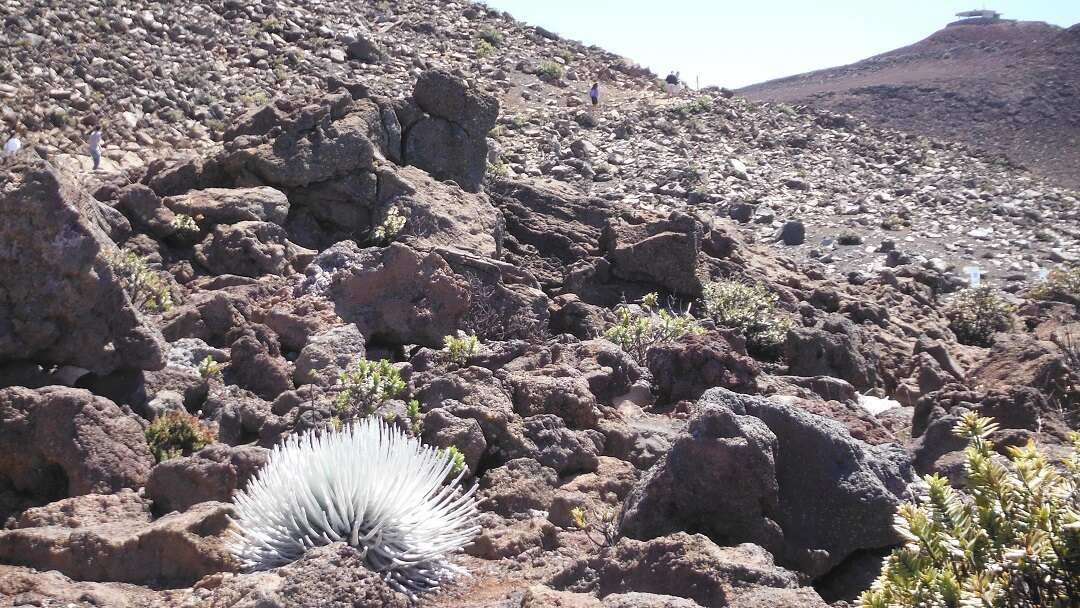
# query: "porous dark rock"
682,565
177,549
57,442
251,249
686,368
779,505
328,354
662,252
393,294
448,137
836,348
80,313
211,474
517,487
214,206
258,368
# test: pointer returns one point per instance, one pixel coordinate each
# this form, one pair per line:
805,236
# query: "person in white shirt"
95,147
12,145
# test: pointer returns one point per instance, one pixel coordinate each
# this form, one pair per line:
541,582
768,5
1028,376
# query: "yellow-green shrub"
147,290
1060,285
1011,538
636,332
176,433
365,385
975,315
749,310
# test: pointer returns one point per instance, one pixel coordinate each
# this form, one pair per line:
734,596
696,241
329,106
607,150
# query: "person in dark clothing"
594,94
671,83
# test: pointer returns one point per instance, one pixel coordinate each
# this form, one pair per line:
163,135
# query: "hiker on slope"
671,83
12,145
95,147
594,94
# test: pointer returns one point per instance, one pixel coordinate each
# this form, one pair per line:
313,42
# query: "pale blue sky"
735,44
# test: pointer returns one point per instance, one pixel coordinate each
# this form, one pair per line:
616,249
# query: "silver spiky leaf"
368,485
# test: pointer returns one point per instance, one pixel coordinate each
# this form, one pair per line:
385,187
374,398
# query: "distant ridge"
1011,87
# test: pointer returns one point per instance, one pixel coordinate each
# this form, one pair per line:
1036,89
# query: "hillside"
689,351
1007,87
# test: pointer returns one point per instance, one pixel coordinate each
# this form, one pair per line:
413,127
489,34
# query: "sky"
737,43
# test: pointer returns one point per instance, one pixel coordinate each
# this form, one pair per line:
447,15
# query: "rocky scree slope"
282,281
827,186
1007,87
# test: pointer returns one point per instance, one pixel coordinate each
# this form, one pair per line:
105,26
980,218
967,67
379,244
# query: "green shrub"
365,385
1011,538
412,410
1061,285
334,423
254,98
975,315
172,115
390,227
699,105
458,457
551,70
893,222
636,333
176,433
607,527
849,238
498,169
209,368
750,310
484,49
491,36
148,292
185,223
458,349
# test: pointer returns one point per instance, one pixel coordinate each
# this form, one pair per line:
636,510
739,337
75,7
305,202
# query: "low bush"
637,332
457,458
389,227
1061,285
751,311
209,368
458,349
412,410
491,36
976,314
1011,538
175,434
551,70
699,105
147,291
849,239
484,49
606,526
185,223
498,169
365,385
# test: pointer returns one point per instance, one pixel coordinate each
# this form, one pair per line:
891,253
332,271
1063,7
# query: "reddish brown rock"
60,300
211,474
177,549
57,442
687,368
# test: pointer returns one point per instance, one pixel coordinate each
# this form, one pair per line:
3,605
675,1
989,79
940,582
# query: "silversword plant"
369,485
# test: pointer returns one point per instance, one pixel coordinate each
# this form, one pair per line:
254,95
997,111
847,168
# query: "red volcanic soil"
1007,87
